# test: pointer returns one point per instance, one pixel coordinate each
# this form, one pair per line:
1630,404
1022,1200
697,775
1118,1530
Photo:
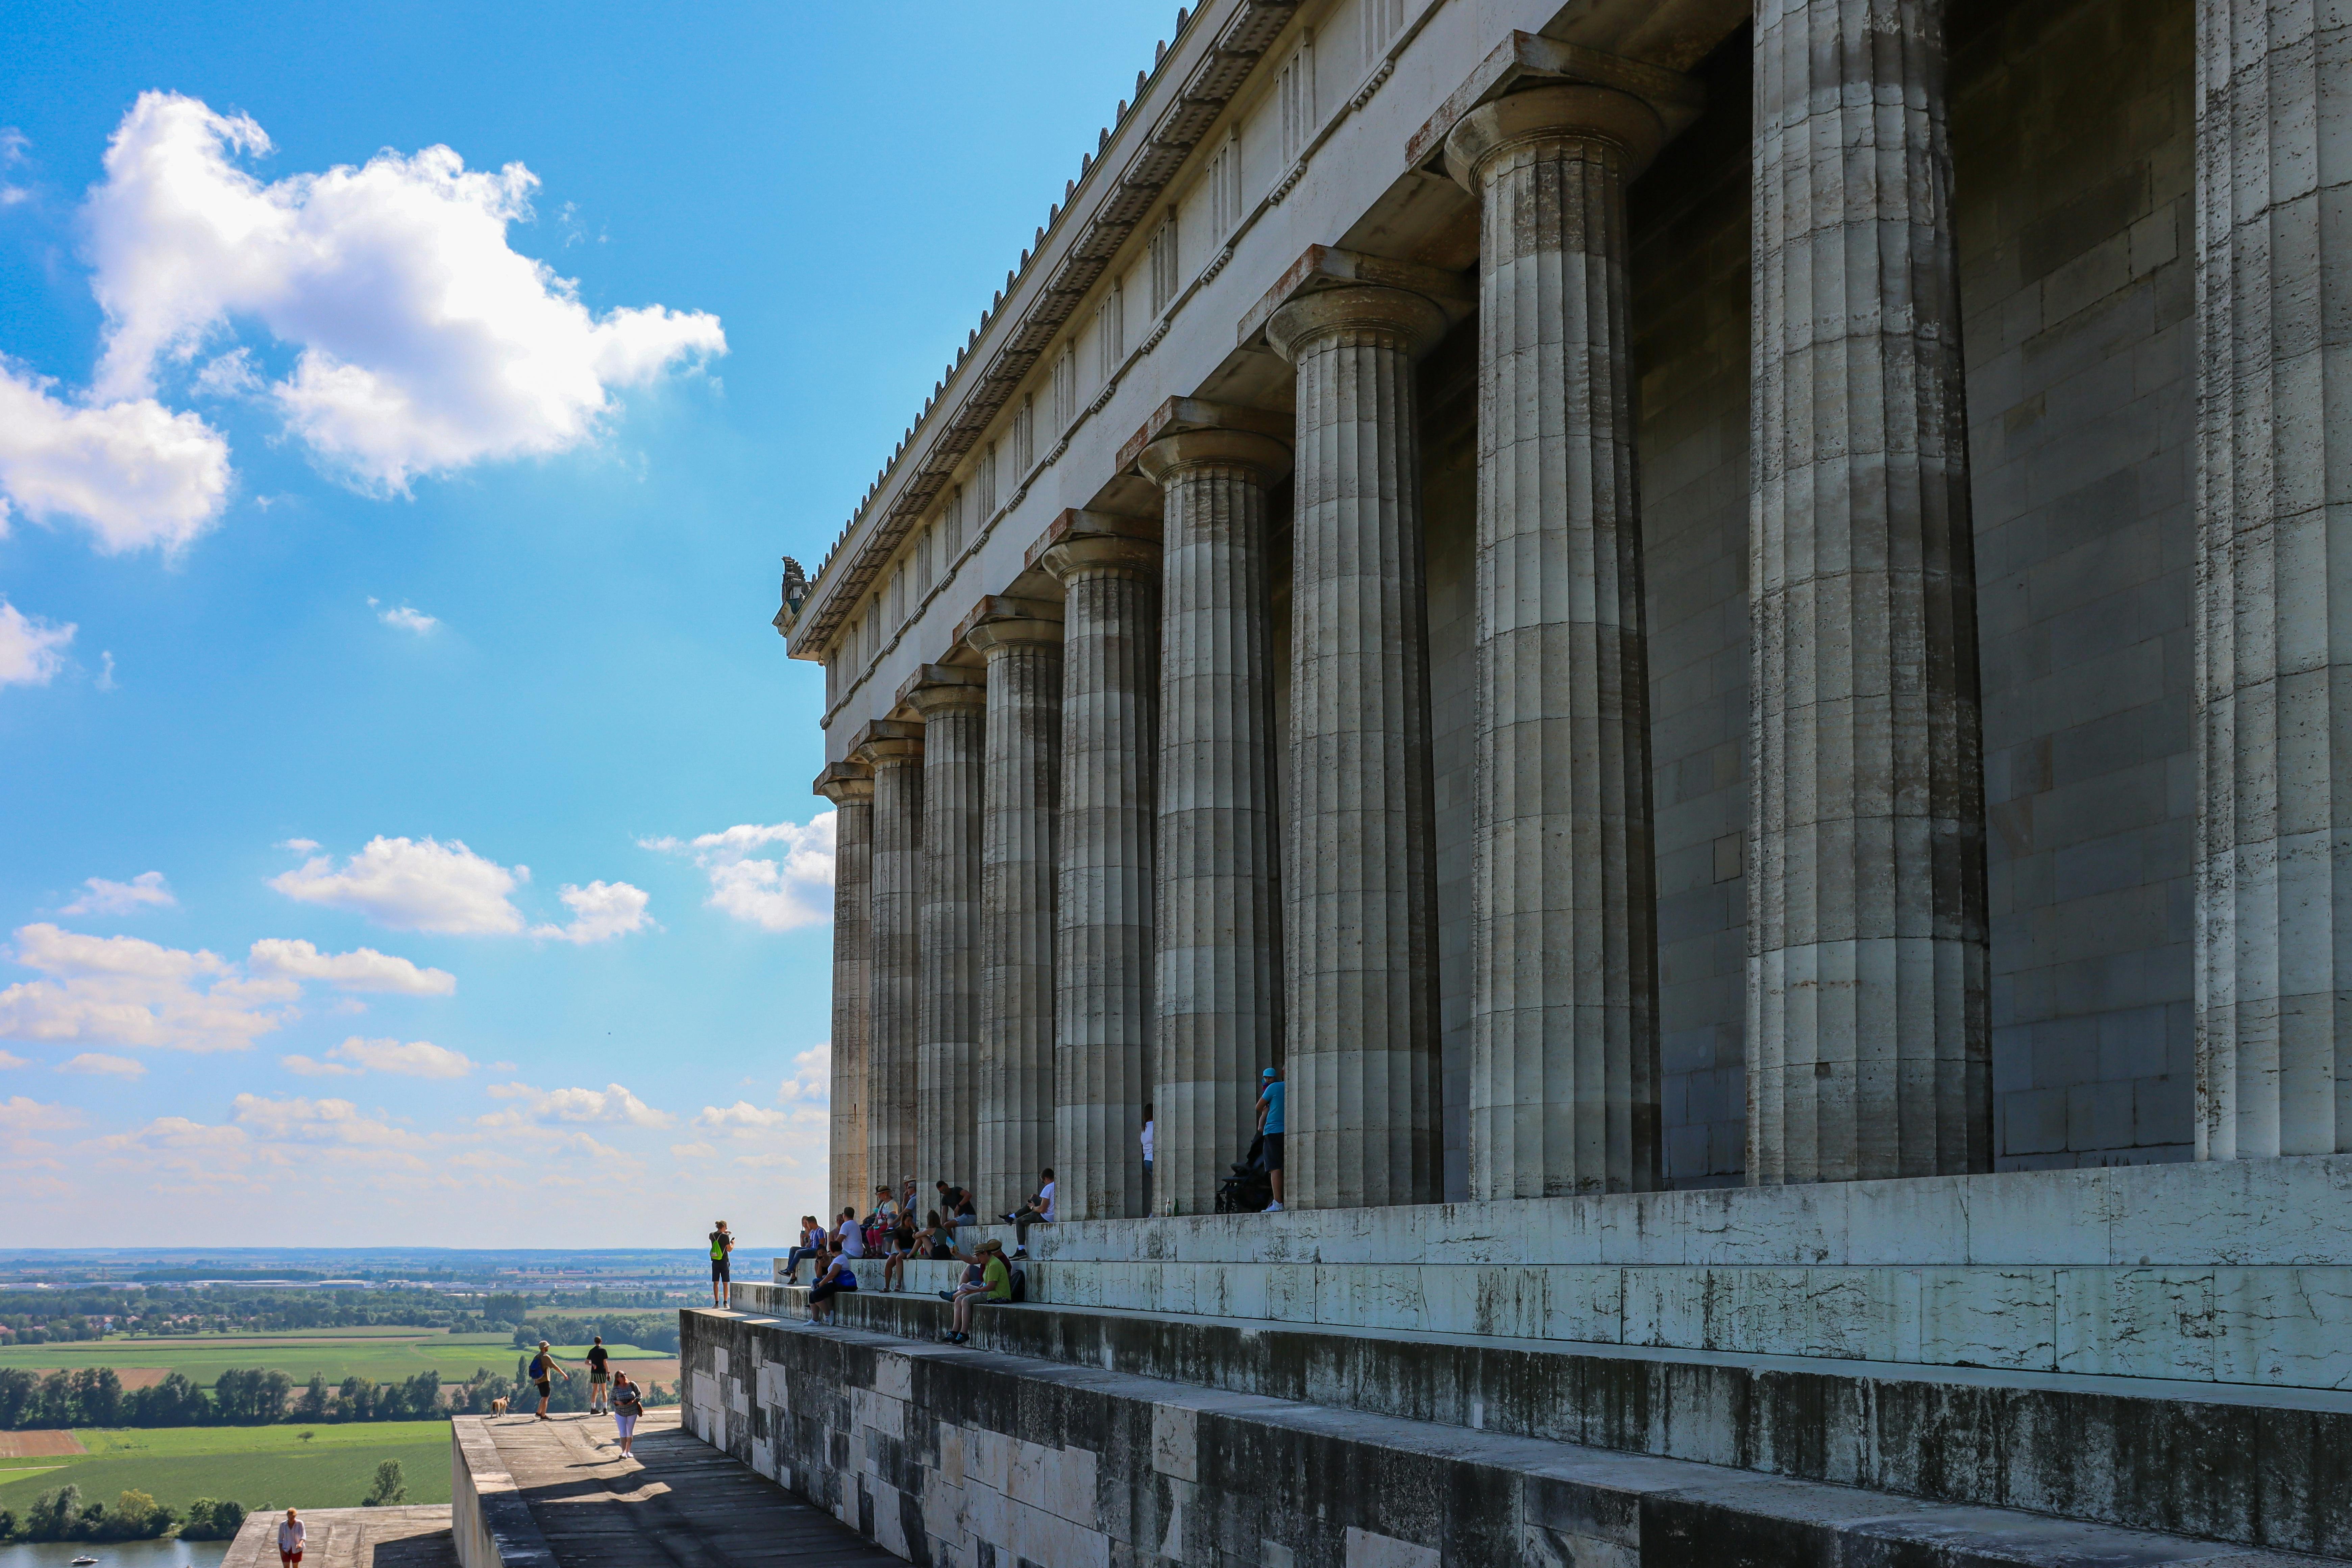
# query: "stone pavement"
678,1501
352,1538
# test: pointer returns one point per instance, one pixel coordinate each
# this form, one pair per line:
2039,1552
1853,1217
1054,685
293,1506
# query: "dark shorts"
718,1271
828,1290
545,1386
285,1556
600,1378
1274,1151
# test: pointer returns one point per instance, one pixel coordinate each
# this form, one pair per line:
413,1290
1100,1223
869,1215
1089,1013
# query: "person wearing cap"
1269,1127
994,1285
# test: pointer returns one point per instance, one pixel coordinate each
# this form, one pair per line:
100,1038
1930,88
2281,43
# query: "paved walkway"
351,1538
679,1503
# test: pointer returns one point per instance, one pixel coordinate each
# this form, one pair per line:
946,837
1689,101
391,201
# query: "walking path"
678,1502
351,1538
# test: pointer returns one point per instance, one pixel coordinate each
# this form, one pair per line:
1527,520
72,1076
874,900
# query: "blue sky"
419,597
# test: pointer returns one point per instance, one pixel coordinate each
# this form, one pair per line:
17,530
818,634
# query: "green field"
204,1357
258,1465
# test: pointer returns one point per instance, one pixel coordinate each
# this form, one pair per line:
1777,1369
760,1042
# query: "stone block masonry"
947,1455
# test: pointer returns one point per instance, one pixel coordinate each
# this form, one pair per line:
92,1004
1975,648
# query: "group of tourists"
609,1388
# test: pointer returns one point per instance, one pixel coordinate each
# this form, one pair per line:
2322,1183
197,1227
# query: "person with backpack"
837,1279
628,1404
600,1375
722,1244
543,1370
995,1287
1269,1126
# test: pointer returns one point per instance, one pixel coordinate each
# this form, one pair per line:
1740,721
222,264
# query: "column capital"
1414,322
945,688
1000,622
1096,556
886,741
1565,112
1265,459
846,782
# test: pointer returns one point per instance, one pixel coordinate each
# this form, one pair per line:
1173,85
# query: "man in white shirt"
849,1239
1037,1210
292,1534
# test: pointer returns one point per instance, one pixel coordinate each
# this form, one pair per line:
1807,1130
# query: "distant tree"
57,1406
97,1392
53,1514
175,1402
19,1391
356,1399
270,1390
136,1517
391,1487
313,1405
7,1525
211,1521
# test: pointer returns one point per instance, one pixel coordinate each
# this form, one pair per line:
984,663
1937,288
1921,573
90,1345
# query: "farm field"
255,1465
382,1357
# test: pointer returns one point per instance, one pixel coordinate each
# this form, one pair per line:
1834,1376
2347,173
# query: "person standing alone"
1269,1125
600,1375
292,1534
627,1405
722,1244
543,1368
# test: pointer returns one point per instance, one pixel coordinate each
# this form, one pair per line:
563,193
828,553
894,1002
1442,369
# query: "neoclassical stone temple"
1715,624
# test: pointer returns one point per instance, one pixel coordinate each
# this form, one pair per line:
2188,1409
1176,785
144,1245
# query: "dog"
498,1406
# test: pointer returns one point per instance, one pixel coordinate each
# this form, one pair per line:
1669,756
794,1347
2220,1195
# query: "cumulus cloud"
417,884
362,969
131,472
780,892
533,1106
425,342
128,992
101,1065
177,1147
101,897
600,912
801,1103
9,1060
20,1116
413,1058
407,618
32,651
311,1067
338,1122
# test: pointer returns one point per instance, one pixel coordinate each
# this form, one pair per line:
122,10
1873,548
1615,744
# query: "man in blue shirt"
1269,1126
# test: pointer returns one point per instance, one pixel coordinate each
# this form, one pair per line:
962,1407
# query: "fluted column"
1868,1049
1359,883
1103,904
850,787
1015,1078
895,752
952,702
1216,976
1563,1013
2274,580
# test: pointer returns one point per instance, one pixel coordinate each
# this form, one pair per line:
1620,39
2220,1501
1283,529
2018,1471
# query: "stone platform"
954,1453
405,1537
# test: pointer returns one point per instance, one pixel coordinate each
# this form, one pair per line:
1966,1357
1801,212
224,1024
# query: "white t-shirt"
1147,1143
290,1534
853,1240
1047,1192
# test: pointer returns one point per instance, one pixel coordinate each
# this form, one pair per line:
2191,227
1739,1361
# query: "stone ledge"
490,1520
2235,1463
938,1451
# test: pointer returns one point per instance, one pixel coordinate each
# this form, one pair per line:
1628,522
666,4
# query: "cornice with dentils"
1069,263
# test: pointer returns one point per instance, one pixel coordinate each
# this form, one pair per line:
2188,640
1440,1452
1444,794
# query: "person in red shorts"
291,1536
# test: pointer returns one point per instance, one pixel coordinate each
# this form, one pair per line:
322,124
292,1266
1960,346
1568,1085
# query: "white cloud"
741,1120
801,1102
12,145
600,912
413,885
9,1060
133,993
415,1059
104,1065
611,1103
792,890
300,1121
362,969
425,342
131,470
32,651
146,891
407,618
21,1116
311,1067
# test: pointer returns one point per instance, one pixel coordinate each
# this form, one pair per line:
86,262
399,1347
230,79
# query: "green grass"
205,1357
618,1353
258,1465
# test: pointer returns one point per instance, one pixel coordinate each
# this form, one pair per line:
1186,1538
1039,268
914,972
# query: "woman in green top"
995,1285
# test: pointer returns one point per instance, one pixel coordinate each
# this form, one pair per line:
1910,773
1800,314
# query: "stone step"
2262,1467
962,1454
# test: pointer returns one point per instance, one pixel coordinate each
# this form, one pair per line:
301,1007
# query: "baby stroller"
1249,1189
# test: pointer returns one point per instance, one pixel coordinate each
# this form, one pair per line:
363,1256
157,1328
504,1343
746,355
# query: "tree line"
94,1396
64,1515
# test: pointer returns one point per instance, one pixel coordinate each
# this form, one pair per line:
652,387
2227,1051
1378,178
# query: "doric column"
2274,580
1563,1013
1022,641
1868,1050
1216,976
1359,886
1109,570
850,787
895,752
952,702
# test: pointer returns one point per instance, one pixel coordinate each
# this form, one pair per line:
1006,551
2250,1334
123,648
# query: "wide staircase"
2135,1365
